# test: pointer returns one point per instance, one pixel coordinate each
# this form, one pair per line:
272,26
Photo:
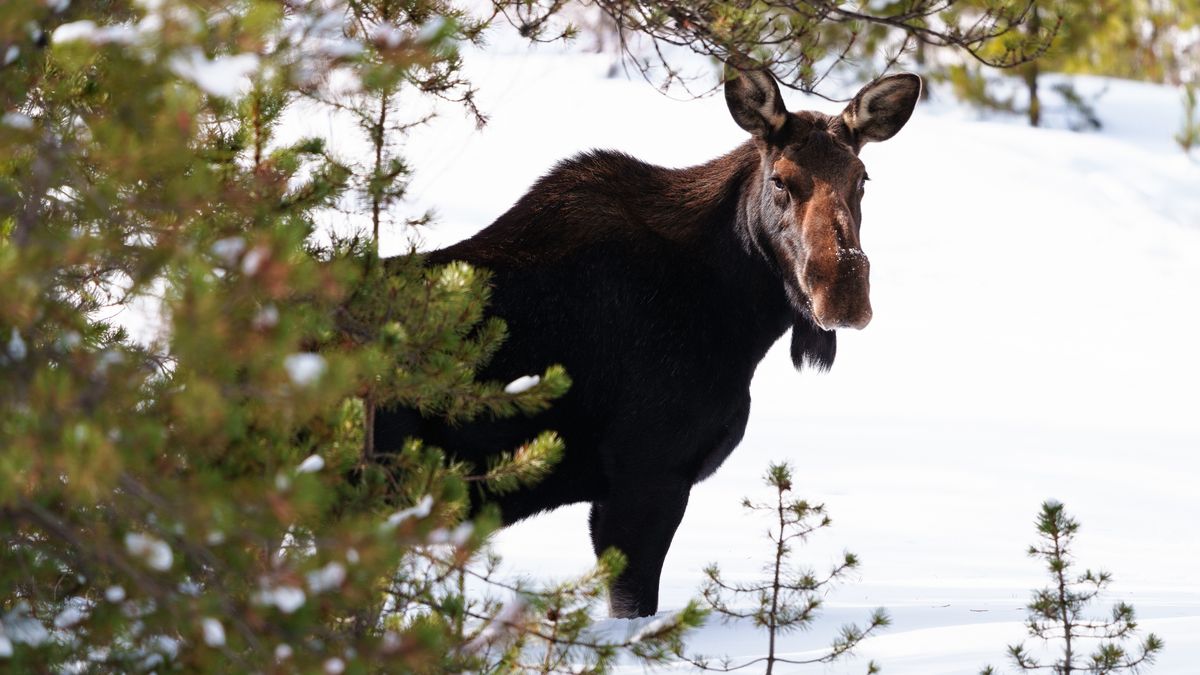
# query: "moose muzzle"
844,301
836,273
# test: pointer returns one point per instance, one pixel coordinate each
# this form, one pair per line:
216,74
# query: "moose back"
660,290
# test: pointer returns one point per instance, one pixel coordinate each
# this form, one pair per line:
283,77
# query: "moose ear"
754,101
812,345
882,108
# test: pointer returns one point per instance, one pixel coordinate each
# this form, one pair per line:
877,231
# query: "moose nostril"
862,320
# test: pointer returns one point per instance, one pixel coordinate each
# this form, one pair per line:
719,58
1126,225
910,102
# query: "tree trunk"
1031,73
1035,105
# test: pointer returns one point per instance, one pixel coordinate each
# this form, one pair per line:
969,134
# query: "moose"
660,290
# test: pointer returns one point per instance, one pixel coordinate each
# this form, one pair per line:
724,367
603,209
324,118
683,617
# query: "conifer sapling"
1056,613
790,598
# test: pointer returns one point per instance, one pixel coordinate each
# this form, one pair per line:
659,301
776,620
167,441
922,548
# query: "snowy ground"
1035,336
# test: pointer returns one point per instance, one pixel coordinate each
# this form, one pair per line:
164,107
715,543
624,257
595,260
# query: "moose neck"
717,213
748,258
705,197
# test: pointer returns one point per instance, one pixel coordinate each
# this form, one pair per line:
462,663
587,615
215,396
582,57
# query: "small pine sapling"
1056,612
791,597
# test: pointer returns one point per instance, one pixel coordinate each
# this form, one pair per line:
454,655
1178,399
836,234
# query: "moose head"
803,208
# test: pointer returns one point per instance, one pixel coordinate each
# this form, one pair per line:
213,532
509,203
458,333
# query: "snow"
17,120
154,552
420,510
510,614
459,536
229,249
431,29
311,464
6,646
16,346
287,598
224,76
75,610
214,632
322,30
283,652
327,578
522,384
267,317
114,594
1034,337
17,626
304,369
165,646
652,628
334,666
254,260
75,30
388,35
88,31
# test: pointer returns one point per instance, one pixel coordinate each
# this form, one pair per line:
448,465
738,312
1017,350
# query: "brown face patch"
816,178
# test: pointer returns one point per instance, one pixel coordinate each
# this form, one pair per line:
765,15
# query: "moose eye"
777,182
862,182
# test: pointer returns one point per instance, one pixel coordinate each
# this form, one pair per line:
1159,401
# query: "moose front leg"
639,522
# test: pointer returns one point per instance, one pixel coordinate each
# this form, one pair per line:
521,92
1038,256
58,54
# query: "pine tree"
790,598
1056,613
802,42
1149,41
205,498
1066,25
